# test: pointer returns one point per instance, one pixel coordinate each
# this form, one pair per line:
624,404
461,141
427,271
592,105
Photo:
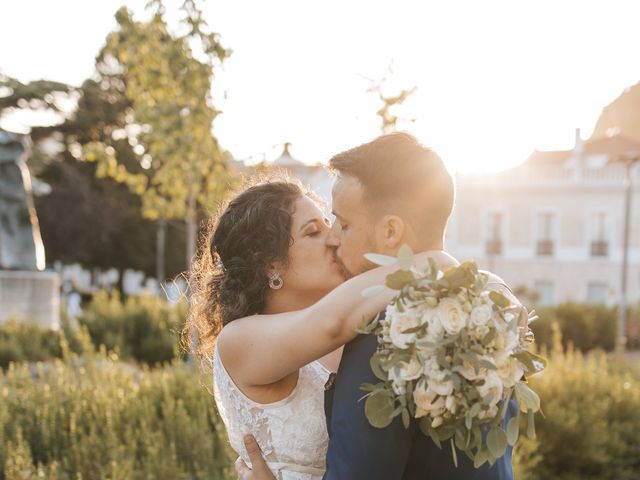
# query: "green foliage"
95,417
586,326
590,425
39,94
143,328
169,87
27,342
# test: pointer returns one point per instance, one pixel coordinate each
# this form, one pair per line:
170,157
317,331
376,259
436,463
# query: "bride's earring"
275,281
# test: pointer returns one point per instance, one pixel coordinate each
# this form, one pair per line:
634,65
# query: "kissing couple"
277,299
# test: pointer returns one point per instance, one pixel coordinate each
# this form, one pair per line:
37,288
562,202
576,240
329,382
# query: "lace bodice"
291,432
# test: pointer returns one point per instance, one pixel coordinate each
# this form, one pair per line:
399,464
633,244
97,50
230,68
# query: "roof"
286,160
615,146
551,157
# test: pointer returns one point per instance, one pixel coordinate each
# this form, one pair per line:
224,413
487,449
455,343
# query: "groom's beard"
343,268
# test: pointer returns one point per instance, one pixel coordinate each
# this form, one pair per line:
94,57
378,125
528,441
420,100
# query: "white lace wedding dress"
292,432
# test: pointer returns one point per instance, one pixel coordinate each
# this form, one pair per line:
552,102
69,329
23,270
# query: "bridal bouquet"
451,353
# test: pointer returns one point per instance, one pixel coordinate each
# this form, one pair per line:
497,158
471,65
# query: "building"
555,223
317,177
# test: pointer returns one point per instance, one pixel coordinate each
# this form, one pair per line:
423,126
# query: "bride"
267,292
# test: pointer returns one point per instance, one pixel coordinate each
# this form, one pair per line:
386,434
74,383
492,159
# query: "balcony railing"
494,246
599,248
545,248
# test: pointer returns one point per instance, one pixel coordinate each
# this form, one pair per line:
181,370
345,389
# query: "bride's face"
311,269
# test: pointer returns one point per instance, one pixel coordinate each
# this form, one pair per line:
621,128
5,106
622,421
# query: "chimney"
578,144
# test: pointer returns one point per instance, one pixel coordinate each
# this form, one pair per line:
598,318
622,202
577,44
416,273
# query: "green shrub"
585,326
27,342
591,425
96,417
143,328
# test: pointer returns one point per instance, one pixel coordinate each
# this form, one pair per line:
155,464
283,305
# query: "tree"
389,119
167,78
85,219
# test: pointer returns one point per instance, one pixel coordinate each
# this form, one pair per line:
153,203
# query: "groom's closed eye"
340,221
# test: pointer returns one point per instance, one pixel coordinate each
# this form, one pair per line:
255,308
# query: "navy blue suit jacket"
358,451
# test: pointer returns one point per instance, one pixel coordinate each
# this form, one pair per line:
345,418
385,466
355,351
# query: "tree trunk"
121,282
161,240
192,228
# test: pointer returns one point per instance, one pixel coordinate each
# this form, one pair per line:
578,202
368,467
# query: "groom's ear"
390,231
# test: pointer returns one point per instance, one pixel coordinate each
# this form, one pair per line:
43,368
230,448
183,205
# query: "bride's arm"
262,349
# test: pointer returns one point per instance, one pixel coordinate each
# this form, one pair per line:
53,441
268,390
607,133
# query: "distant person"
73,299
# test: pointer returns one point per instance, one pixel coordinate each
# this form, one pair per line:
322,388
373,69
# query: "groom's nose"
333,239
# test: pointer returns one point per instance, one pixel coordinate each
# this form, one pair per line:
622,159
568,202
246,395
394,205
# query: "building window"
599,237
495,226
544,288
545,246
597,292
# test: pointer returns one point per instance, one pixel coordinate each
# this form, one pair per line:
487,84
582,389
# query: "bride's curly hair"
229,276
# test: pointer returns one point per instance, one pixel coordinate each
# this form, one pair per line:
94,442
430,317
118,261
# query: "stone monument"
26,290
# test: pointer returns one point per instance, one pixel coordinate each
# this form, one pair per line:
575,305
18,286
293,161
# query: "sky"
494,79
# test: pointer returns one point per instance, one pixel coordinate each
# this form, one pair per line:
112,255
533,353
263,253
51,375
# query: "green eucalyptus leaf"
480,457
454,454
499,299
433,269
428,430
513,430
475,409
531,426
527,398
405,257
382,260
379,410
461,438
376,368
405,418
496,442
399,279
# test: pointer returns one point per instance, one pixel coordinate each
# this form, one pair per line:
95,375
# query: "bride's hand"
260,470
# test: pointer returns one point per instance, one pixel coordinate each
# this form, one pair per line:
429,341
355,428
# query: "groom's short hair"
401,176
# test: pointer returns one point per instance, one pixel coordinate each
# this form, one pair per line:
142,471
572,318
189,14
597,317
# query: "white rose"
399,323
452,316
502,323
399,388
450,404
410,370
469,371
399,385
512,341
492,385
435,331
439,385
480,332
509,370
481,315
426,400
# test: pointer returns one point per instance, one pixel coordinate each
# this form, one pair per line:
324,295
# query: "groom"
388,192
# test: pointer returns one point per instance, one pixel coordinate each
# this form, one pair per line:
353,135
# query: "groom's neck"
420,245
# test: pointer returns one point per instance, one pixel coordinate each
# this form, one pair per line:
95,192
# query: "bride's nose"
333,239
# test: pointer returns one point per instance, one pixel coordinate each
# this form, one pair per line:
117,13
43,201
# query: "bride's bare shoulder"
233,335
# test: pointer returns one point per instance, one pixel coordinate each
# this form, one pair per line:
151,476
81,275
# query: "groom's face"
352,234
